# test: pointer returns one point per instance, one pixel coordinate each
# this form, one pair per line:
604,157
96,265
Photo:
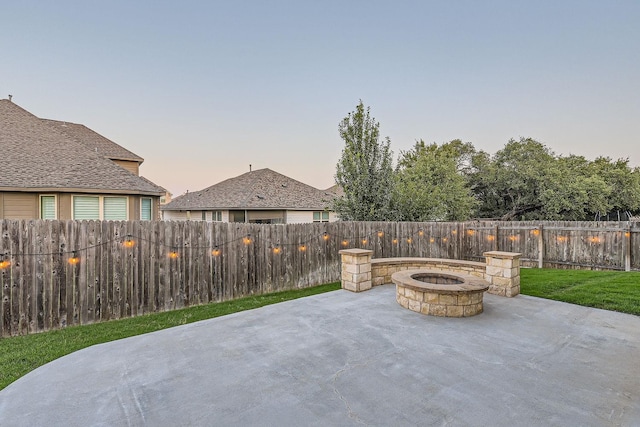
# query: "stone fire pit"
437,293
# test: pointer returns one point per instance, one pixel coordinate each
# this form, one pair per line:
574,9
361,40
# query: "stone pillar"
503,273
356,269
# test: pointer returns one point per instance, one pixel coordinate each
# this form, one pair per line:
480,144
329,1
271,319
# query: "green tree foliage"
526,181
365,170
430,184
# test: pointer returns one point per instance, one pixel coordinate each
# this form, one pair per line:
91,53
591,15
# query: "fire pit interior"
437,293
438,279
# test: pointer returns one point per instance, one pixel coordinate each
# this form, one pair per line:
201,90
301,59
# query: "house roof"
38,156
94,141
261,189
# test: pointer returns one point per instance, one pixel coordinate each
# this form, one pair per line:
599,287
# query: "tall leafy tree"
430,184
365,169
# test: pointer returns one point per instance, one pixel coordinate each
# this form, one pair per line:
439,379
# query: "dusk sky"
202,89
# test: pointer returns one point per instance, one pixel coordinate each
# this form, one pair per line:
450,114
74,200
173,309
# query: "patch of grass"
609,290
22,354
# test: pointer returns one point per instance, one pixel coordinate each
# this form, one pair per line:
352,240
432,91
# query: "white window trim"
55,202
100,205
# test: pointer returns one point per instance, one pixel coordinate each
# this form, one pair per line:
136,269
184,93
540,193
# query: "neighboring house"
260,196
59,170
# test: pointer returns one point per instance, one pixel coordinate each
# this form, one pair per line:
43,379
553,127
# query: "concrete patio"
342,358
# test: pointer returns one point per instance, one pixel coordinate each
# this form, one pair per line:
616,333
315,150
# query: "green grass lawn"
609,290
22,354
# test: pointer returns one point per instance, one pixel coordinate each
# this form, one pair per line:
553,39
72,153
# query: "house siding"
175,215
19,206
132,167
299,217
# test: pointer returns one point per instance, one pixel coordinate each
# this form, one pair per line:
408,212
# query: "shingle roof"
94,141
259,189
37,156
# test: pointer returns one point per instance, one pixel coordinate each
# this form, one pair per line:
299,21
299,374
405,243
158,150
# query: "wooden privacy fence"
59,273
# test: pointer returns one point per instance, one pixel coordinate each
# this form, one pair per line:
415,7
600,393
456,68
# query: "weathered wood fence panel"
59,273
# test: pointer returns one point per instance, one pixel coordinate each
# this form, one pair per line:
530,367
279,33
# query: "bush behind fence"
61,273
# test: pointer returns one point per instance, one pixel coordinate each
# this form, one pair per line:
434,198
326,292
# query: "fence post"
541,246
626,248
496,232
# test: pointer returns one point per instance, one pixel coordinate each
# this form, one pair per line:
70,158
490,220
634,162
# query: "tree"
365,170
513,180
430,184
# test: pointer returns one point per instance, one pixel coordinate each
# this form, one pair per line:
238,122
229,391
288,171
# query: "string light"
74,259
594,240
128,243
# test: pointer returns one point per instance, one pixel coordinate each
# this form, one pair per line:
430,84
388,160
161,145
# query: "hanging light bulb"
247,239
173,254
325,236
215,251
128,242
380,233
302,248
4,263
74,259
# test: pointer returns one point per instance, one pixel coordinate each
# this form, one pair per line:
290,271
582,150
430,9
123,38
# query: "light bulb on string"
74,259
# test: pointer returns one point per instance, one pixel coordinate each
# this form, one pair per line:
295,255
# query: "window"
115,208
204,215
145,209
48,207
100,207
321,217
216,216
86,207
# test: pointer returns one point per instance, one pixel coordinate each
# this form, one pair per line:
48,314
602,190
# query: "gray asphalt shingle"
259,189
37,156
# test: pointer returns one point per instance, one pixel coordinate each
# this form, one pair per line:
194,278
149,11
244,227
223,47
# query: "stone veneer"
356,269
461,299
360,272
383,268
503,273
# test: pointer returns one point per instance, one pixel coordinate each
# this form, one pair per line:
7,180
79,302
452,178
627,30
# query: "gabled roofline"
77,190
